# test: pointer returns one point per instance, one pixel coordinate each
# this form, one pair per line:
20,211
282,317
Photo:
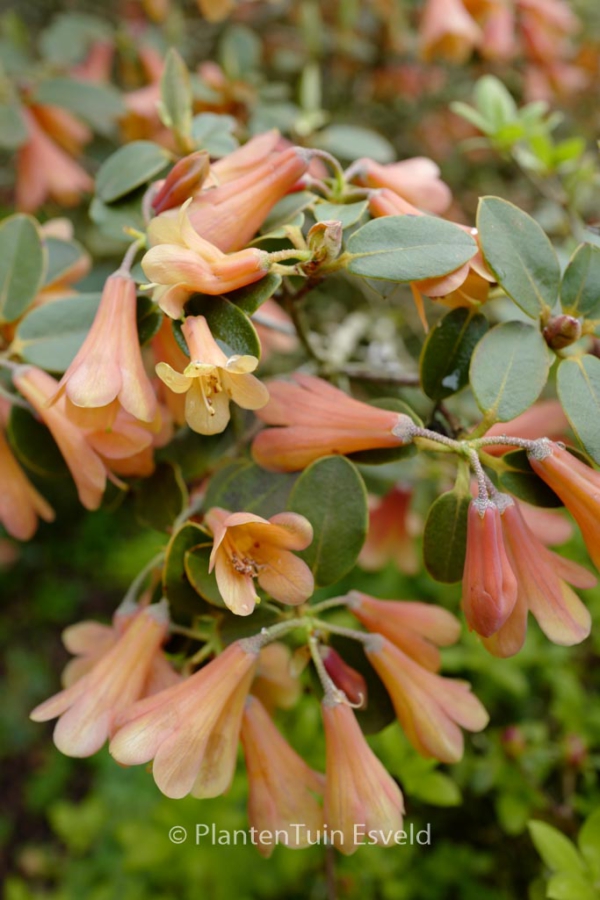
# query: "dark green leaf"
130,167
408,248
196,454
580,288
149,319
252,296
34,445
522,481
196,563
578,384
447,352
244,486
22,265
379,712
233,628
331,494
184,600
160,498
445,537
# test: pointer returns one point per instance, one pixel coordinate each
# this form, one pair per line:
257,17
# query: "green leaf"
408,248
570,886
130,167
22,265
445,537
240,52
113,219
556,850
233,628
522,481
50,335
160,498
447,352
346,213
244,486
351,141
509,370
227,322
196,562
578,385
385,455
175,106
34,445
435,788
149,319
183,598
495,102
196,454
62,257
286,212
214,133
13,130
589,842
519,254
331,494
580,288
252,296
99,105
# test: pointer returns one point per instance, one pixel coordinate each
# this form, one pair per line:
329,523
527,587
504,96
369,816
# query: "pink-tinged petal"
76,669
244,518
296,447
285,577
140,730
177,761
441,287
551,527
88,637
20,502
561,615
198,411
172,299
216,520
245,390
236,589
288,531
509,639
201,344
81,731
176,381
573,573
241,365
57,704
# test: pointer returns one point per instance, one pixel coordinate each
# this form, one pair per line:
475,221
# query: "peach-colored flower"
415,180
190,730
344,677
281,785
211,380
546,417
358,789
418,629
97,65
247,547
499,40
430,708
550,526
577,485
44,170
276,684
184,179
87,709
489,587
318,420
181,263
447,31
391,536
20,502
166,350
246,158
542,589
109,364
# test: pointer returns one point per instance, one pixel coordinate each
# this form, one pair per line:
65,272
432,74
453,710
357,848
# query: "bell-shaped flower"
418,629
415,180
249,156
489,587
282,788
577,485
108,365
191,730
431,709
247,547
447,31
276,683
317,419
358,789
543,579
20,503
211,380
87,709
391,535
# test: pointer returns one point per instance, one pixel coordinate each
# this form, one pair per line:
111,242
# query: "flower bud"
345,677
561,331
325,242
186,177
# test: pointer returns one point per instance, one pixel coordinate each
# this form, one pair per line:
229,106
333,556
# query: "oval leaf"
520,479
51,335
518,252
556,850
176,95
447,352
243,485
34,445
22,265
129,168
160,498
578,385
99,104
509,370
408,248
580,288
196,562
183,598
445,537
332,496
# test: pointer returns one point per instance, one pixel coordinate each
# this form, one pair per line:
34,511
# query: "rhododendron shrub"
347,407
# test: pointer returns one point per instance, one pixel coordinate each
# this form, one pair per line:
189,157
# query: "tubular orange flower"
248,547
186,176
542,578
447,31
418,629
109,365
320,420
344,677
430,708
241,161
212,379
20,503
415,180
190,730
281,785
577,485
358,789
391,536
489,587
87,709
276,685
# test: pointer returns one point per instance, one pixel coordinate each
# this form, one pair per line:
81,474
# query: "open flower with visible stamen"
358,789
418,629
317,419
191,730
20,503
109,365
577,485
212,380
489,587
430,708
282,787
87,709
247,547
543,579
